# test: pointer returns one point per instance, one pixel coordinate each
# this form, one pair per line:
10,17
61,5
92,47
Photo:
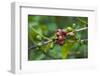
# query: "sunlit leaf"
55,51
65,48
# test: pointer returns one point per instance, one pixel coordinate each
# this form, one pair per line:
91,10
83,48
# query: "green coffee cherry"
38,37
37,48
39,44
69,29
74,25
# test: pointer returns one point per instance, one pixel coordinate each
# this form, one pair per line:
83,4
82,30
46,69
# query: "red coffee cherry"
59,30
58,33
60,42
64,32
61,35
60,38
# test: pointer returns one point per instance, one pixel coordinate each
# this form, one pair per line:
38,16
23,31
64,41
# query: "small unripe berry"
39,44
38,37
69,29
60,38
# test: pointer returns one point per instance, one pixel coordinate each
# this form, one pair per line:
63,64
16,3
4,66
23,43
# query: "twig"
84,40
44,43
77,30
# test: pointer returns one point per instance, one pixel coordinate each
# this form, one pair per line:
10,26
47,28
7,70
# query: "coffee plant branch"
49,41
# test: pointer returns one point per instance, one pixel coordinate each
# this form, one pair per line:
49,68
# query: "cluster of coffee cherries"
61,36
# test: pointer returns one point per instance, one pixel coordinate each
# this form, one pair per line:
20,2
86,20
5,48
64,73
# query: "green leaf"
55,51
75,46
68,47
31,36
39,32
65,49
83,51
44,29
52,27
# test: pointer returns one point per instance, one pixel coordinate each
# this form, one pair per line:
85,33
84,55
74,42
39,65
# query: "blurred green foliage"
43,28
